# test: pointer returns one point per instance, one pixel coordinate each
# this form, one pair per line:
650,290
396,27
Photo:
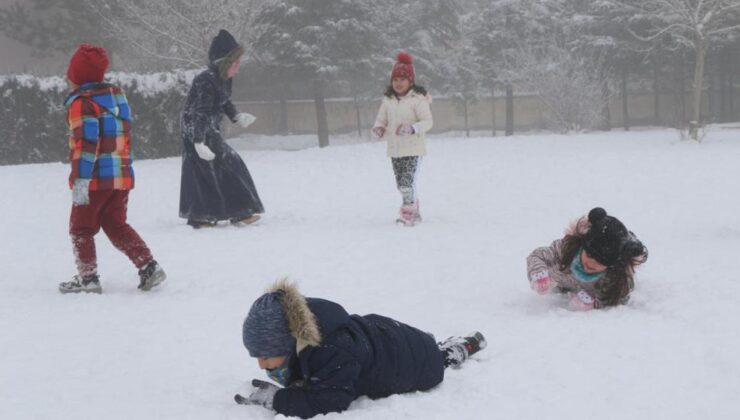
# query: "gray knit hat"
265,331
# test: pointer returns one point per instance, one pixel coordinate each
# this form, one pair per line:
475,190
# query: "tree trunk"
696,122
606,115
712,83
467,121
358,118
656,93
680,92
625,108
731,87
493,110
509,109
722,80
322,124
283,122
732,61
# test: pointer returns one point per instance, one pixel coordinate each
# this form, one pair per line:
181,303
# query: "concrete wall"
447,116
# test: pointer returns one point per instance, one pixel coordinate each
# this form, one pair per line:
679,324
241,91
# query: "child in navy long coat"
215,183
325,358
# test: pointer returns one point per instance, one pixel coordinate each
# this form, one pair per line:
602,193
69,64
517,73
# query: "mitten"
541,282
244,119
263,394
405,129
378,132
81,192
581,301
204,152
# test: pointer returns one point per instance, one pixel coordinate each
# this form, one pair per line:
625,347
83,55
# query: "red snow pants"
107,210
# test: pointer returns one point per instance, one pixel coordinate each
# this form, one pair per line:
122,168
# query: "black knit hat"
221,46
606,238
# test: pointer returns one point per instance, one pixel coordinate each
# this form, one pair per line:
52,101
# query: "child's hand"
263,395
378,132
244,119
581,301
405,129
541,282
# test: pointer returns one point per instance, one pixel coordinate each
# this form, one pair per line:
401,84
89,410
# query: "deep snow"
176,353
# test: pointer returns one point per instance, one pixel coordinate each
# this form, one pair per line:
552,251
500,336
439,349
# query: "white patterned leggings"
405,169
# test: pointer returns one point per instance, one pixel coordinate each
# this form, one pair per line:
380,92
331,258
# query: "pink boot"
407,215
417,215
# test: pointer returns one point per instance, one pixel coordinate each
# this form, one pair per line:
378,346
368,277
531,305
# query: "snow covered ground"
176,353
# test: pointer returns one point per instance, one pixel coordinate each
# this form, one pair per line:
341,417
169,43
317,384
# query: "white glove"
244,119
81,192
263,395
203,151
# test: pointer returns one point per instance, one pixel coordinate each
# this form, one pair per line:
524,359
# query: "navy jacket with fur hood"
341,357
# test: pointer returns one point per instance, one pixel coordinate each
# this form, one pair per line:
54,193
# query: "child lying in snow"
326,358
594,263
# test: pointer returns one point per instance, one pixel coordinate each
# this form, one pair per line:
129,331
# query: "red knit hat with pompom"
88,64
404,67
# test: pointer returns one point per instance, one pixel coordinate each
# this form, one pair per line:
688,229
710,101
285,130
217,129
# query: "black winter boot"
458,349
151,275
87,284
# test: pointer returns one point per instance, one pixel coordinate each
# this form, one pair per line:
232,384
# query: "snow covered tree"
592,29
498,29
173,33
320,41
153,35
430,31
49,26
695,24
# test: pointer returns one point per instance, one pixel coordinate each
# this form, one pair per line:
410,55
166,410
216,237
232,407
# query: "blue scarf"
576,266
281,374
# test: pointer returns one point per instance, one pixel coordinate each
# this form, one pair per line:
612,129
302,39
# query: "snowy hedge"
32,115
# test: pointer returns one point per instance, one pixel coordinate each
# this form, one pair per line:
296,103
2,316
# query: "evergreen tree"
319,42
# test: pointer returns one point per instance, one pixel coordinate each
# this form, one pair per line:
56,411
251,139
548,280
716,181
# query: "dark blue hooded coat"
223,188
358,355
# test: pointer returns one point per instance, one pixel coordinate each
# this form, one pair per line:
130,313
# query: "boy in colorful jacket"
99,118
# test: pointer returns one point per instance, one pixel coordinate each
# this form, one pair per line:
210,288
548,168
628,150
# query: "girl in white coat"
403,120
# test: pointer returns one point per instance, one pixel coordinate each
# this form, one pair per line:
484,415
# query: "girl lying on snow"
325,358
594,263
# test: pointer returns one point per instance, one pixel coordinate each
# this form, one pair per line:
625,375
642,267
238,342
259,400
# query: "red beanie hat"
88,64
404,67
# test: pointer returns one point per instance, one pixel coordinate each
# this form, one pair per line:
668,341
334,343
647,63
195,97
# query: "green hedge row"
32,115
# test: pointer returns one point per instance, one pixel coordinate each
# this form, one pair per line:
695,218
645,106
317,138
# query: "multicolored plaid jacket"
99,118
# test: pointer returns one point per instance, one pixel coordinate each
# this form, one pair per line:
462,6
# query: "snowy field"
176,353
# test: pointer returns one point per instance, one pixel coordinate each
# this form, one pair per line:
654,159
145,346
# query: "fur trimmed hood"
301,321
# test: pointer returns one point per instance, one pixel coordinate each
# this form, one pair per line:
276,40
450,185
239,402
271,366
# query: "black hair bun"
633,248
596,214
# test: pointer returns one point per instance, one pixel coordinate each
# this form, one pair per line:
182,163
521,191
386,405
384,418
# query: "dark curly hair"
390,93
